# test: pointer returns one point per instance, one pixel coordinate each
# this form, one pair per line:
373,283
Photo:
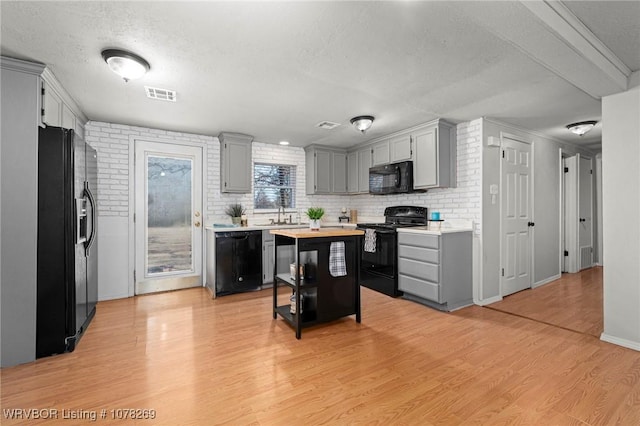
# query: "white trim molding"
620,342
546,281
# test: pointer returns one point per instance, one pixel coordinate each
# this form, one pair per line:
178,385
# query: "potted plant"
315,214
235,211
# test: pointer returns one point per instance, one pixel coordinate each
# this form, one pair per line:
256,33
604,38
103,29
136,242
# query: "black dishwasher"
238,261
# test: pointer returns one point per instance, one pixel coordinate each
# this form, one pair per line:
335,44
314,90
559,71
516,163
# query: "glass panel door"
168,218
169,211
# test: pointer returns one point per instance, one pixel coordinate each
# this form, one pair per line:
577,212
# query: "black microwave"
393,178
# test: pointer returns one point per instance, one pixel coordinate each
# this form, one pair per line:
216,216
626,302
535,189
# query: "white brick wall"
113,146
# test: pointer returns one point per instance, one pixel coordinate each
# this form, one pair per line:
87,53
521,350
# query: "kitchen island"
323,275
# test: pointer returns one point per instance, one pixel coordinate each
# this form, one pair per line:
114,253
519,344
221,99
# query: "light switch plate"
493,141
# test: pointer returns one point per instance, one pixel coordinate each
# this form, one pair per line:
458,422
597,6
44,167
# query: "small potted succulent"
315,214
235,211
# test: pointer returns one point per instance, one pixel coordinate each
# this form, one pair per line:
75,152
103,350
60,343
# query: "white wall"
621,214
114,144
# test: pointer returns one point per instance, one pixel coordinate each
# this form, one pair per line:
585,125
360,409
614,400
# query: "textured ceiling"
275,69
619,31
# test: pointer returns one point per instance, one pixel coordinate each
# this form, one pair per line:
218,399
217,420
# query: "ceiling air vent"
160,94
327,125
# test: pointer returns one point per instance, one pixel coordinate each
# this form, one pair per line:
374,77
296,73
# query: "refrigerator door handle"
92,202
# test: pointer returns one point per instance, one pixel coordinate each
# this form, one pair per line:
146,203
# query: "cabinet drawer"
427,271
424,289
420,240
419,253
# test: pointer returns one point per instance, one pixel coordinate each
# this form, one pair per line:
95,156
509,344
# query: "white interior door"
585,213
571,214
516,211
168,217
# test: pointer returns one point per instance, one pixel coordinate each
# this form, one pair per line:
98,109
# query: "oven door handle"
380,232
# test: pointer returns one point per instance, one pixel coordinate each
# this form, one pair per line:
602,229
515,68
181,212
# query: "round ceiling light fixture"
127,65
284,143
582,127
362,122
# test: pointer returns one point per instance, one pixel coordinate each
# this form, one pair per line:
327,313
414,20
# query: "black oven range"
379,263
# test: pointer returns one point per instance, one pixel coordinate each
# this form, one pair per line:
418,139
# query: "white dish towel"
370,240
337,262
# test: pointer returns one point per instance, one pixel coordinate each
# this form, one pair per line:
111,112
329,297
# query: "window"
274,185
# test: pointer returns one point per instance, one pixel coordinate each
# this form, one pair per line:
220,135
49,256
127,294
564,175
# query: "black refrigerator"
67,288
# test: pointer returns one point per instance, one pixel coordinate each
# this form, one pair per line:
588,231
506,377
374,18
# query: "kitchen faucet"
283,213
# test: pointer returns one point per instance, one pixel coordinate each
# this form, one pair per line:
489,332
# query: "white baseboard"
620,342
488,301
546,281
105,297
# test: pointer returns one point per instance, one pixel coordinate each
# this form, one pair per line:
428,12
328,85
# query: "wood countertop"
321,233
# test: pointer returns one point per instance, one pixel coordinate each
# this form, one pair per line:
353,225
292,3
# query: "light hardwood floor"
226,361
573,302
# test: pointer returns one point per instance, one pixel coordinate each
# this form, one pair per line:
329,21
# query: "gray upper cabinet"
352,172
431,147
339,175
434,156
364,163
68,119
51,106
400,149
58,109
380,153
235,162
326,170
318,170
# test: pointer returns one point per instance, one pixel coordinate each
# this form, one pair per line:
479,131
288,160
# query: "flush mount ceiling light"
582,127
284,142
362,122
127,65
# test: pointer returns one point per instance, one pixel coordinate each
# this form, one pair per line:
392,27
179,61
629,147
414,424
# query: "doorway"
168,218
577,213
516,215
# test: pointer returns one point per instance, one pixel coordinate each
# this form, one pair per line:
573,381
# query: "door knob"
197,224
582,219
197,214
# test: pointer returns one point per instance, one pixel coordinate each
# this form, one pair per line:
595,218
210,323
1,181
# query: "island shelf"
325,297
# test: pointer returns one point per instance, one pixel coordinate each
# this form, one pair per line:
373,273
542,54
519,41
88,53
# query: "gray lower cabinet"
436,269
268,257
